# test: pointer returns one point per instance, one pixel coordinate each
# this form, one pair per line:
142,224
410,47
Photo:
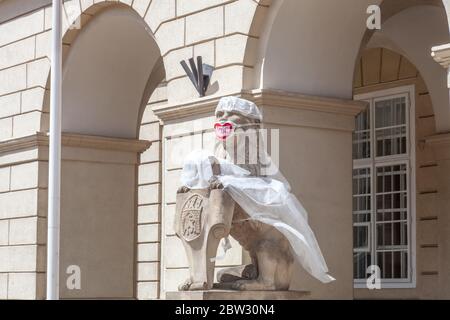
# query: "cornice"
107,143
36,140
284,99
263,98
441,54
182,110
75,140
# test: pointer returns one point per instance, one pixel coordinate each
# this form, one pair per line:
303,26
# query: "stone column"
99,215
441,147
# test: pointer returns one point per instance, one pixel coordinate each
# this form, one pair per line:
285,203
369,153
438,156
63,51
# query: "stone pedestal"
202,219
237,295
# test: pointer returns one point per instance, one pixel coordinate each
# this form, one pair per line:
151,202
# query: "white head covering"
238,105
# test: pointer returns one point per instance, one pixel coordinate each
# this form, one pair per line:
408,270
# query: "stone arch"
76,23
446,4
112,64
390,8
306,46
402,19
302,43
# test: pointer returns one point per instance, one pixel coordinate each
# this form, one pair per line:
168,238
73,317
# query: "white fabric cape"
264,199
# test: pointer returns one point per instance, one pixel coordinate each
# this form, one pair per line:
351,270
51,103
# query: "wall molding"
263,98
285,99
441,54
439,139
41,139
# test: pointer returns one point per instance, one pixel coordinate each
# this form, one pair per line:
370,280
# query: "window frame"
374,162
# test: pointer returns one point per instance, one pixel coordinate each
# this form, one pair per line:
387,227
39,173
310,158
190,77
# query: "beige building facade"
363,118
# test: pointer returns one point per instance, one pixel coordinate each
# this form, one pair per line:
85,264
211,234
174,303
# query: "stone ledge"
97,142
285,99
75,140
441,54
438,139
264,98
237,295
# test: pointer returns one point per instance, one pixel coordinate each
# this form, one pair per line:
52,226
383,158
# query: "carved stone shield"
191,217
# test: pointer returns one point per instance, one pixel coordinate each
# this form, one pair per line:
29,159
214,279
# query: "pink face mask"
224,129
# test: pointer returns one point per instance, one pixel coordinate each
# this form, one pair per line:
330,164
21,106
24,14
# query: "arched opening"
300,52
106,73
312,48
390,230
393,60
396,35
111,67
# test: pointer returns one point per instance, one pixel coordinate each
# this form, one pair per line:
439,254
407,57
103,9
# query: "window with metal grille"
383,188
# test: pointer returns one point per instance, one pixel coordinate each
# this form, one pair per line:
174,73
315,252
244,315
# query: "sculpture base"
237,295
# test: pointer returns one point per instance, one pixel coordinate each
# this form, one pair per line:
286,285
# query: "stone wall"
227,34
182,29
23,186
149,201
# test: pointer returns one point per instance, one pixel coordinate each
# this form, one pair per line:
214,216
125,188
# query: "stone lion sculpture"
274,233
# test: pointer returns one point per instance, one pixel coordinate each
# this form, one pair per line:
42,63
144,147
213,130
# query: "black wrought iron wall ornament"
200,74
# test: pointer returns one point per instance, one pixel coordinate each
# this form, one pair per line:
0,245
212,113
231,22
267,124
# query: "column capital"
441,54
